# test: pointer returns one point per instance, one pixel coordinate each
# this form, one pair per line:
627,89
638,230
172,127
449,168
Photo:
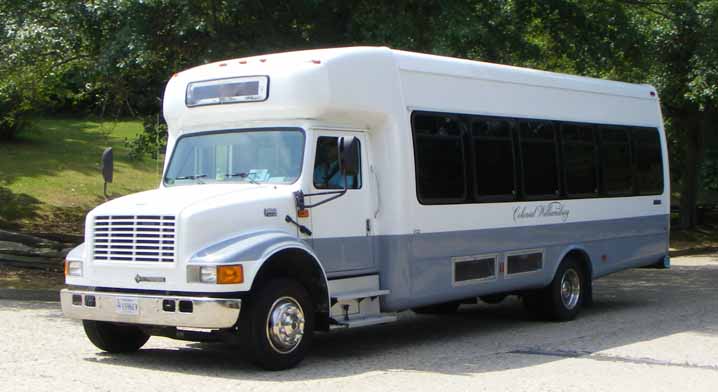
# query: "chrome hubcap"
570,288
285,325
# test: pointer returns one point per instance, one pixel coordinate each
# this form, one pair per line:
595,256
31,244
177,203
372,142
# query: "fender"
77,253
569,249
253,249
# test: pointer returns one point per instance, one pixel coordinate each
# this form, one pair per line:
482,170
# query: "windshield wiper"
197,177
244,176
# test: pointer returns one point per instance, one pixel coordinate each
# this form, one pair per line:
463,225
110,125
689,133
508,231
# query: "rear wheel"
562,299
115,338
277,325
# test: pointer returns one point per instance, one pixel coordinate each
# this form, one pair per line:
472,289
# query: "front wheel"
115,338
277,325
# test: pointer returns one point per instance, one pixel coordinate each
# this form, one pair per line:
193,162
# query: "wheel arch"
580,254
296,261
272,253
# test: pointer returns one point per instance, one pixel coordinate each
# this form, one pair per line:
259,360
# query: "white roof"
333,82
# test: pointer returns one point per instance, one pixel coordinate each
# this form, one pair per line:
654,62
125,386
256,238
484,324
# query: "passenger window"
579,160
493,159
539,158
326,166
440,170
616,161
647,161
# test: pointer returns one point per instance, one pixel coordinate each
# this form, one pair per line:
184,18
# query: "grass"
50,177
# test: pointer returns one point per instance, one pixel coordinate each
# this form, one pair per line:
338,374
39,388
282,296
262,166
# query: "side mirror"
349,149
107,165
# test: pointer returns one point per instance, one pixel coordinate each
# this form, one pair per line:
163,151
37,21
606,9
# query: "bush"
14,110
152,141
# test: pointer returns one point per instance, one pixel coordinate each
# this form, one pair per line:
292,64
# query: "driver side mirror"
349,150
107,165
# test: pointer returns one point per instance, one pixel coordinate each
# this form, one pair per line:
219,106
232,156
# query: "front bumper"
204,312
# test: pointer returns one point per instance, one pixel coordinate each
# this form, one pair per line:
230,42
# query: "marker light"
230,274
73,268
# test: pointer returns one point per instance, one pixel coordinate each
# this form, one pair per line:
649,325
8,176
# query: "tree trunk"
695,148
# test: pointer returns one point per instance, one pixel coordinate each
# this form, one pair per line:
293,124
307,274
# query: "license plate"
130,306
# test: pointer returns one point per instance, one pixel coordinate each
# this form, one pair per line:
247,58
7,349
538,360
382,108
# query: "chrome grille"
135,238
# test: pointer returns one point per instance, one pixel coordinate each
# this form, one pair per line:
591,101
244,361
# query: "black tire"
115,338
535,303
493,299
255,340
549,302
445,308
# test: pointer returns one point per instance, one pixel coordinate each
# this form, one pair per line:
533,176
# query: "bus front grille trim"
141,238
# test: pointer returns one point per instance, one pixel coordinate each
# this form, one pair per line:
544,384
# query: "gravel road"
649,330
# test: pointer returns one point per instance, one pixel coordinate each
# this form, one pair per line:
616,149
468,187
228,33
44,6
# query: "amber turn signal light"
303,213
230,274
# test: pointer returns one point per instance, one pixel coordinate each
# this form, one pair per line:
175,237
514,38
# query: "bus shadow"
630,307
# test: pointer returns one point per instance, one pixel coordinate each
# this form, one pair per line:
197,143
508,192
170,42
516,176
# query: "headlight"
208,274
73,268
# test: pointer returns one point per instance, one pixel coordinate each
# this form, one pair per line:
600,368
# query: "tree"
672,45
683,40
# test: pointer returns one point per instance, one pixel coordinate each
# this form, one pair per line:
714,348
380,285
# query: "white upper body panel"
378,88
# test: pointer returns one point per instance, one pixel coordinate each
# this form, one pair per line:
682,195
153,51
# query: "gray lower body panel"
418,269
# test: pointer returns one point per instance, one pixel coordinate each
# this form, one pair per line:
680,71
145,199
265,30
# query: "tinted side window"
493,158
439,155
579,160
326,166
616,161
647,161
539,158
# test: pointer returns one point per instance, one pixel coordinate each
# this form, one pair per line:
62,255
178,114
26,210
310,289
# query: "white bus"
323,189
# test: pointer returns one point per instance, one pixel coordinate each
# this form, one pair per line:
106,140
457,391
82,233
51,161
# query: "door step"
355,302
359,295
363,321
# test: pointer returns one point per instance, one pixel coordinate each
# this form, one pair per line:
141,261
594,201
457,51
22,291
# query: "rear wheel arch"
583,258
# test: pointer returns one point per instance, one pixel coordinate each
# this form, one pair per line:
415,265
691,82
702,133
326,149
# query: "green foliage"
113,57
152,141
14,107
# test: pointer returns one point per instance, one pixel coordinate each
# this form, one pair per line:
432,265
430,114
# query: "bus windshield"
266,155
